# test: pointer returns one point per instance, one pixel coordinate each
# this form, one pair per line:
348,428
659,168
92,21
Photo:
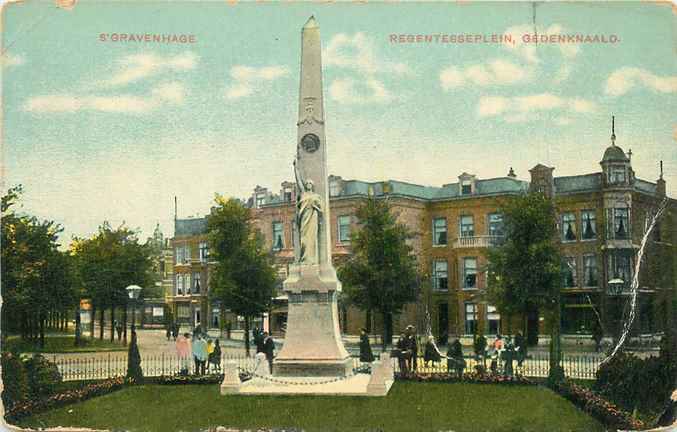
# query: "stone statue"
308,214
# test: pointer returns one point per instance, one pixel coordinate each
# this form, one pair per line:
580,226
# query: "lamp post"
133,291
616,285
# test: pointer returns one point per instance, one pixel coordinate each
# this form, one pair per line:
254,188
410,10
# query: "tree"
107,263
244,278
37,282
381,275
525,271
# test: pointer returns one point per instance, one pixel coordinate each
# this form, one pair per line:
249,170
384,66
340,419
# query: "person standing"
431,353
402,354
119,328
259,339
168,331
269,350
183,351
210,350
412,347
366,356
597,335
508,356
520,349
215,356
455,360
200,353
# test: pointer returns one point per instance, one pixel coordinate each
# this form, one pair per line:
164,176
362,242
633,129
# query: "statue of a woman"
308,213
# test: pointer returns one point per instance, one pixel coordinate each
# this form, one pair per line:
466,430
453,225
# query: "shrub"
134,371
14,379
635,383
43,376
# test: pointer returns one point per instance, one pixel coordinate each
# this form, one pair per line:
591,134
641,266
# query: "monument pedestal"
312,344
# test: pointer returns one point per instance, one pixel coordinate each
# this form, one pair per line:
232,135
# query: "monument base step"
355,385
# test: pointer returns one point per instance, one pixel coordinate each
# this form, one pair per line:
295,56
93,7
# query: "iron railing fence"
115,364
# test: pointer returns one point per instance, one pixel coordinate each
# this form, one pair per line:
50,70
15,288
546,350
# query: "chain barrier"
279,381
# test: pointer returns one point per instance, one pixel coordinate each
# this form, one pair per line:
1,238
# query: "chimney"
660,183
511,173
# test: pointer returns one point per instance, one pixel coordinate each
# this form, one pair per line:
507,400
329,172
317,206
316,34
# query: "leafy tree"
107,263
525,270
244,278
381,275
36,280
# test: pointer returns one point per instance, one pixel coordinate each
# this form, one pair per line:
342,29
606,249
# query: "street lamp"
616,285
133,291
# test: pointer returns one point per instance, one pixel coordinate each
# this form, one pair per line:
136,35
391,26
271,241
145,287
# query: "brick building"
601,221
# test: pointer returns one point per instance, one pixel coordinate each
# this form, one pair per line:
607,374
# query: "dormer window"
287,194
260,200
466,187
616,174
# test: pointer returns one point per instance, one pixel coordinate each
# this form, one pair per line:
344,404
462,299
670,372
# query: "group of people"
265,344
502,352
206,353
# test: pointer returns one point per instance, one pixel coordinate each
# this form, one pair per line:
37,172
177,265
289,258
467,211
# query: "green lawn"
408,407
61,344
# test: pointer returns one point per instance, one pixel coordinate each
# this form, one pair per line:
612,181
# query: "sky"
97,130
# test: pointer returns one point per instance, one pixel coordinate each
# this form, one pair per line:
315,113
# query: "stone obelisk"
312,344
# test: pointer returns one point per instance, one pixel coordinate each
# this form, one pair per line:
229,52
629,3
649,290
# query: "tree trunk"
112,323
387,330
556,374
368,321
124,325
92,318
101,323
43,319
246,335
77,327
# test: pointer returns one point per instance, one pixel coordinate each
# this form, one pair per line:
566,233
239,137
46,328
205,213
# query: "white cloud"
136,67
172,93
348,90
248,79
518,108
358,53
493,73
357,56
9,60
626,78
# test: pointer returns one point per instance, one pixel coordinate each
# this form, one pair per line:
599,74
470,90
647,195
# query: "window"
467,226
617,174
589,227
621,223
278,235
620,267
589,270
496,224
287,194
439,231
204,251
469,273
215,317
568,227
196,283
186,283
334,188
569,272
494,320
440,276
179,284
343,229
260,200
470,318
466,187
183,311
179,254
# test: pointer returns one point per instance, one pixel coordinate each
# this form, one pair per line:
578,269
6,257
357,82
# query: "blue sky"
113,131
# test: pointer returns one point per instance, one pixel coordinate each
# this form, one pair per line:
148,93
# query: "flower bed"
88,391
601,409
470,377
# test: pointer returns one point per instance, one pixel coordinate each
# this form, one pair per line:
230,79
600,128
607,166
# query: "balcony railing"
478,241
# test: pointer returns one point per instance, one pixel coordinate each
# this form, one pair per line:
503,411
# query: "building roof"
578,183
645,186
190,227
614,153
